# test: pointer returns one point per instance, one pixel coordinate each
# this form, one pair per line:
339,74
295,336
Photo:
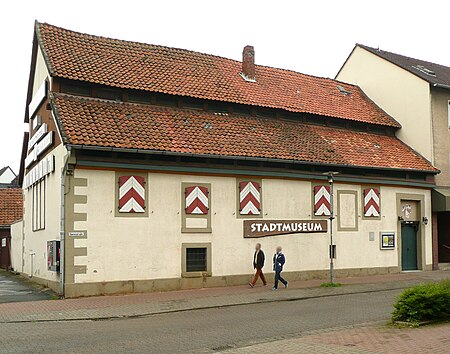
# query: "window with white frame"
38,207
448,113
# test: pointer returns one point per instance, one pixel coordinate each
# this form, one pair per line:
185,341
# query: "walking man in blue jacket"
278,263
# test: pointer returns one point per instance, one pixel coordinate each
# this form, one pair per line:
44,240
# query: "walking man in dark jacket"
278,263
258,264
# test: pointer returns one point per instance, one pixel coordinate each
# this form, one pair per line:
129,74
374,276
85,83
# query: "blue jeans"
278,277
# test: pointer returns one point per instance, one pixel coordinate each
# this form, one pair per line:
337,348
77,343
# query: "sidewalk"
362,339
135,305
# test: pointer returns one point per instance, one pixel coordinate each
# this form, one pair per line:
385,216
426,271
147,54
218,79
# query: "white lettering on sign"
42,169
37,100
37,136
30,158
76,233
44,143
284,227
261,228
3,242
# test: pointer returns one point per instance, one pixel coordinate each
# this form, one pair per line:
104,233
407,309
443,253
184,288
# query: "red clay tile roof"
11,205
94,122
131,65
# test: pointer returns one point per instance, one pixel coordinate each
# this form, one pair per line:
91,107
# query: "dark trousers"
259,273
278,277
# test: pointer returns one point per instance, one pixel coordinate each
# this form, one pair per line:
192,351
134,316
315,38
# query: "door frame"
420,200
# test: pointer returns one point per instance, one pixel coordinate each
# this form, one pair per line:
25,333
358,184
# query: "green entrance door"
409,247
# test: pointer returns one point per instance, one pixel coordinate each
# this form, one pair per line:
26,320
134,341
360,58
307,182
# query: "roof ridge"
194,52
134,42
182,72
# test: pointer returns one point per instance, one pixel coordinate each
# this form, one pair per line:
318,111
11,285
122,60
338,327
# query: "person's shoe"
286,285
265,285
273,289
251,285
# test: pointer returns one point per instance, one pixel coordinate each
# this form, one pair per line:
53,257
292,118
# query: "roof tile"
95,122
153,68
11,205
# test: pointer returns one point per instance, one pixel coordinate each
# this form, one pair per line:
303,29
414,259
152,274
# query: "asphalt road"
197,330
16,289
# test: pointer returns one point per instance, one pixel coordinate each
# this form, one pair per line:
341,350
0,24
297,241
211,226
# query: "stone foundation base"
142,286
51,284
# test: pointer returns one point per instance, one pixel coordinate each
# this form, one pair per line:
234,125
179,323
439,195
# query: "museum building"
154,168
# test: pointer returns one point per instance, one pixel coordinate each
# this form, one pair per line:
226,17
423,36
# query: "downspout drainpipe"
62,220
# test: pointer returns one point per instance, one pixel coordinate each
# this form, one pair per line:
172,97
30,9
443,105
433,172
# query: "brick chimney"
248,63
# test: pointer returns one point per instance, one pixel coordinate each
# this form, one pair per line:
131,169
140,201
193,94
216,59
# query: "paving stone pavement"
366,339
135,305
16,289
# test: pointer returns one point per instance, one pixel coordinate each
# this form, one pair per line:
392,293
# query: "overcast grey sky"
312,37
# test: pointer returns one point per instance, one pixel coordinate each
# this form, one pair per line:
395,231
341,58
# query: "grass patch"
425,302
330,285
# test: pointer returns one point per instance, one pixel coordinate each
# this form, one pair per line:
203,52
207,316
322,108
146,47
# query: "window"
196,204
109,94
138,97
196,259
75,89
321,200
371,202
131,195
38,208
249,198
448,113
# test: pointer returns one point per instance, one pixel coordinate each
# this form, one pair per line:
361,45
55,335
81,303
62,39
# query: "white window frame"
448,113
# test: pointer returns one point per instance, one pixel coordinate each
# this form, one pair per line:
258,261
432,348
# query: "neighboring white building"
7,175
154,168
417,93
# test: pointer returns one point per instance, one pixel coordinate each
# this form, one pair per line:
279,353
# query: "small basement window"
196,259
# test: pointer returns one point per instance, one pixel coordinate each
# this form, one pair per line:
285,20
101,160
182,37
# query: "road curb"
197,308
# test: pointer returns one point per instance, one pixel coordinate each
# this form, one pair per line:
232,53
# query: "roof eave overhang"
248,158
447,87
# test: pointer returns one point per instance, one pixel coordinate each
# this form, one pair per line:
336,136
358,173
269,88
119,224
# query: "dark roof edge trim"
442,86
294,175
250,158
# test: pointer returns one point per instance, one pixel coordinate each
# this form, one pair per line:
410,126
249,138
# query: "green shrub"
423,303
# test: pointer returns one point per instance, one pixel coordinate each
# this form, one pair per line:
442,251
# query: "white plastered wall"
35,242
401,94
124,248
41,72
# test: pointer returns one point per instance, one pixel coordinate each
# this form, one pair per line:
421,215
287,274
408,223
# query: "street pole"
330,176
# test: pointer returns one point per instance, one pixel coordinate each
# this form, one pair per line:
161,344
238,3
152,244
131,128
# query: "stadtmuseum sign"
261,228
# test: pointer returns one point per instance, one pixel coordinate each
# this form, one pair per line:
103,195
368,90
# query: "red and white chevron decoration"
131,194
371,202
322,205
197,200
249,198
